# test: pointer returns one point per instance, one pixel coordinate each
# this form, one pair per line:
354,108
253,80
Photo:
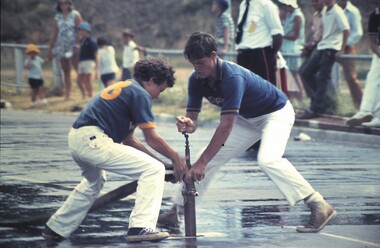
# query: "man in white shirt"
317,72
356,32
261,38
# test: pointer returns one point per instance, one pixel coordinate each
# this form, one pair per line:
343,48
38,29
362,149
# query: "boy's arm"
155,141
346,33
134,142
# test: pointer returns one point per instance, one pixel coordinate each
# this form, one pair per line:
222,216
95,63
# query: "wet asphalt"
242,208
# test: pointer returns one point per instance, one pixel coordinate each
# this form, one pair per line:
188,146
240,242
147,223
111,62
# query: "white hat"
292,3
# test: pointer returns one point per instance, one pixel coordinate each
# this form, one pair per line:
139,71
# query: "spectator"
131,53
259,37
64,43
107,62
356,32
35,75
317,72
88,60
224,28
314,38
293,42
369,113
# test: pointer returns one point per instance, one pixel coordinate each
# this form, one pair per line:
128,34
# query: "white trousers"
274,131
371,96
95,153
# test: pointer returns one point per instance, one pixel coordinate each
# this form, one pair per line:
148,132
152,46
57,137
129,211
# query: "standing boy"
369,113
131,54
35,75
316,73
102,139
251,109
354,19
88,60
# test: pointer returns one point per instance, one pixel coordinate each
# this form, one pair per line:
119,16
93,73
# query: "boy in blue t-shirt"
88,60
102,139
251,109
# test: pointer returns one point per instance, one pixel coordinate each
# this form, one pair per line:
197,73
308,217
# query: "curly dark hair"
155,68
199,45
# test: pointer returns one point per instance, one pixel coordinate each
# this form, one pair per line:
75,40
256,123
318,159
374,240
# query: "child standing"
107,62
35,76
88,60
130,54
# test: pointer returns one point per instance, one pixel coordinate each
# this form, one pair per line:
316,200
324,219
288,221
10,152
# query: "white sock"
315,197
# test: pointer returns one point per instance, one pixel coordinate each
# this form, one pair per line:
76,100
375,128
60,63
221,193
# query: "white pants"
371,96
274,131
95,153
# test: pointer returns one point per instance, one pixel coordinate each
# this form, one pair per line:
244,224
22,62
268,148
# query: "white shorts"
86,66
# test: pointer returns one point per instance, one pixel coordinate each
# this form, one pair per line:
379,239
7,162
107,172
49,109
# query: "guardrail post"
58,79
19,68
335,76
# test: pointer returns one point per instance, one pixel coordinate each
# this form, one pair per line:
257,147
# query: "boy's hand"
184,124
180,169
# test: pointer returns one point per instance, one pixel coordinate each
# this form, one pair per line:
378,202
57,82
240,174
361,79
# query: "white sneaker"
359,118
374,123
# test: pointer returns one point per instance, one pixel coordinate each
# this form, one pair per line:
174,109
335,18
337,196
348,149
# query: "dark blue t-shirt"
118,109
237,91
88,49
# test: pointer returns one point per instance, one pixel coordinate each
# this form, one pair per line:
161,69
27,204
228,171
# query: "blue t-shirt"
237,91
118,109
88,49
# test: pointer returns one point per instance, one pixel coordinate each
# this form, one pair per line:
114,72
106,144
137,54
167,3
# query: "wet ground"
241,209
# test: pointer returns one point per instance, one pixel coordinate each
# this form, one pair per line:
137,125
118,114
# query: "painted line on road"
343,237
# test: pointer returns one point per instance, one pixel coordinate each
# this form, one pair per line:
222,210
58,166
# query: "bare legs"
85,84
66,68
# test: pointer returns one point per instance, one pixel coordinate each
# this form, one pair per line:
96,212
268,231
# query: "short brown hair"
128,32
199,45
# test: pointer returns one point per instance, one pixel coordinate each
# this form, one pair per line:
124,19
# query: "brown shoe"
321,214
169,219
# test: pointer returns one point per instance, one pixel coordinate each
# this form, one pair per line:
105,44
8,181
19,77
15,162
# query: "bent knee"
265,162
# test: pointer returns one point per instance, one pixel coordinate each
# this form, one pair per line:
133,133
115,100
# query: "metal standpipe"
189,193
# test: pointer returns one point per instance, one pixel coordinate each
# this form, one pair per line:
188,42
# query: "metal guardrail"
19,66
180,53
58,80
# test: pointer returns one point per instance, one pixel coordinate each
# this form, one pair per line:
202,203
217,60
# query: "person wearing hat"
224,28
294,39
88,60
131,53
35,75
